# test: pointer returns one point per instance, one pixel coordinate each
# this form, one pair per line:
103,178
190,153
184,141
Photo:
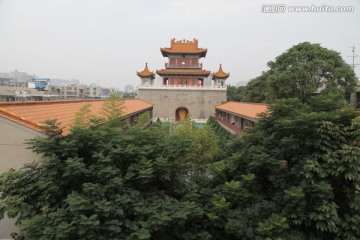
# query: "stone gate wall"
199,102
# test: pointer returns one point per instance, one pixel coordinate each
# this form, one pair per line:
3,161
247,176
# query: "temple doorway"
181,114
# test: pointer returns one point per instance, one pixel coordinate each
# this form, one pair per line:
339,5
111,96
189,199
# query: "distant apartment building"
129,89
4,81
82,91
20,87
66,91
15,78
108,91
20,77
58,81
93,91
24,94
4,75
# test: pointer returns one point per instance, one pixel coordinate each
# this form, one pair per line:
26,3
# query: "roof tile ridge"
254,103
144,101
11,114
2,104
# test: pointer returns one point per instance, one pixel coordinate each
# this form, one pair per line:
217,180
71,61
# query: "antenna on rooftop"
353,58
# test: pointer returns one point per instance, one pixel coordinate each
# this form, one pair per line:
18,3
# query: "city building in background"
129,89
15,78
18,86
39,83
25,94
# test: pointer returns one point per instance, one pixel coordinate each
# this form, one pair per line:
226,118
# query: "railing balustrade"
182,86
183,66
229,125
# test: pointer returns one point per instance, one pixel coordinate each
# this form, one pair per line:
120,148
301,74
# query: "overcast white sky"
107,41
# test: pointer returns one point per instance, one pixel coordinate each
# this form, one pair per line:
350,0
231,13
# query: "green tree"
104,183
295,175
204,145
112,108
222,134
257,89
143,120
308,68
86,118
129,95
235,93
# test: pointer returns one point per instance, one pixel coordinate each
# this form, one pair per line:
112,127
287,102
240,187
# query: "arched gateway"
181,114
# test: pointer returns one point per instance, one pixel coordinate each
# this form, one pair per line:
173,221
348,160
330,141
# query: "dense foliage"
295,175
302,71
308,68
256,90
104,184
222,134
204,144
235,93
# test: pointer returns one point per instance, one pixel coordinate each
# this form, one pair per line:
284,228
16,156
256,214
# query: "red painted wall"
187,61
188,81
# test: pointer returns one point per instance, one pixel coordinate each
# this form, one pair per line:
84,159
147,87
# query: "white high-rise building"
129,89
20,77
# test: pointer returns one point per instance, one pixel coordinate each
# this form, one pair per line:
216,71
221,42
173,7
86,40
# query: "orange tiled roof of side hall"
33,114
184,46
246,109
221,73
182,71
146,72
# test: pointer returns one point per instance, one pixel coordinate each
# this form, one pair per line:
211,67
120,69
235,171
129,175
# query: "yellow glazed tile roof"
220,73
146,72
246,109
183,47
33,114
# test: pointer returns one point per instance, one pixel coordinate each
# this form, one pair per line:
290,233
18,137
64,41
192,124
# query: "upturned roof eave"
165,52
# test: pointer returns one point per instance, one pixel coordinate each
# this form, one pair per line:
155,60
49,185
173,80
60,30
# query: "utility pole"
353,58
354,97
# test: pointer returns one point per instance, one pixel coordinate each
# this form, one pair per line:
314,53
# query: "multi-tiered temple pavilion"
183,91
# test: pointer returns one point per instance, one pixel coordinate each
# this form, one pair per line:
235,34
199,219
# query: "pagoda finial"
146,72
220,73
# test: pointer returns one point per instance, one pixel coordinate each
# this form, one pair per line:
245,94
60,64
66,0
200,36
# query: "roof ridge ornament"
184,46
